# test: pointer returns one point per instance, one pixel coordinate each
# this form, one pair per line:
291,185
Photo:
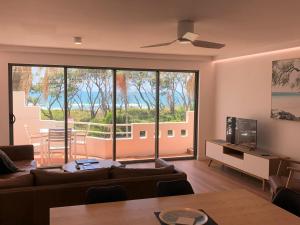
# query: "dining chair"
285,176
105,194
289,200
37,140
174,187
80,139
56,141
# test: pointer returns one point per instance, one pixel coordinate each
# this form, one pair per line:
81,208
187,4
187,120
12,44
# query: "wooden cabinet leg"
210,161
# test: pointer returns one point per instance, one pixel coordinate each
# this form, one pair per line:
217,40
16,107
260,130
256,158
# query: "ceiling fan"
185,34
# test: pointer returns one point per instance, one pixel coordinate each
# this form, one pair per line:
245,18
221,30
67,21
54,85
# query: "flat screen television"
241,131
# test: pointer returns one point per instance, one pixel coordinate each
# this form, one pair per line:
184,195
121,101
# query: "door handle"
12,118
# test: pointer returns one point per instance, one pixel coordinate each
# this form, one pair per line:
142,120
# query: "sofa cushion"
19,181
117,172
44,177
6,164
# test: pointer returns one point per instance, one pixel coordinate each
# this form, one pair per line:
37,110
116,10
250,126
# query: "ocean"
134,100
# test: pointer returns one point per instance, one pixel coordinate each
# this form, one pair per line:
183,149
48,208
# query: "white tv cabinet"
257,163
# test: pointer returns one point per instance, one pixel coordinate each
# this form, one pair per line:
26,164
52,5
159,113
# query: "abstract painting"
286,89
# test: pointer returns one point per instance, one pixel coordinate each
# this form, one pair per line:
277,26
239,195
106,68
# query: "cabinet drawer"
233,161
257,166
214,151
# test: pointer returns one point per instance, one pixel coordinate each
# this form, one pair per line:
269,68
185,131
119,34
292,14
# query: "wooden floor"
215,178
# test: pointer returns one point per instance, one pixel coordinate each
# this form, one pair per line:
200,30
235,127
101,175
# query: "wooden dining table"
234,207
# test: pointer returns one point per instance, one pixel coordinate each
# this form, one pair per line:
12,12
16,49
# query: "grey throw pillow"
6,164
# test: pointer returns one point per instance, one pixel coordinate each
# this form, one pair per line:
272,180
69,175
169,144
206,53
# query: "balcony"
135,141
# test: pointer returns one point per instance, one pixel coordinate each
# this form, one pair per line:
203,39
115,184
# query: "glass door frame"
114,69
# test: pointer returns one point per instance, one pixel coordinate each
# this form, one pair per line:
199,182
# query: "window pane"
90,112
135,114
176,113
38,105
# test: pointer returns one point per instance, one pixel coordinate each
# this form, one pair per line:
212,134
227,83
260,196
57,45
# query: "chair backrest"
174,187
288,200
57,135
105,194
27,131
83,133
88,129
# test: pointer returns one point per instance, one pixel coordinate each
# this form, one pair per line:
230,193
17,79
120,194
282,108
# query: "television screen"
241,131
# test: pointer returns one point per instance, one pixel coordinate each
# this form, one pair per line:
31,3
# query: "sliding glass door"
135,114
89,99
69,113
176,114
39,109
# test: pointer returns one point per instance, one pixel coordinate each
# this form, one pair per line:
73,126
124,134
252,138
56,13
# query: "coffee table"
72,166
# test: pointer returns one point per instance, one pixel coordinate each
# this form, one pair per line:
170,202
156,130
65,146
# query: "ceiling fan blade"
190,36
159,45
207,44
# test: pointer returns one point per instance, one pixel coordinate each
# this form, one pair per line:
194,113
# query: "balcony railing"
98,130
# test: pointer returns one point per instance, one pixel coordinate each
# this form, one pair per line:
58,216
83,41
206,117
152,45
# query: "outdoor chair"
56,141
37,140
105,194
80,140
174,187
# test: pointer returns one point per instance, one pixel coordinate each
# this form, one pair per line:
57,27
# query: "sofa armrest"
19,152
161,163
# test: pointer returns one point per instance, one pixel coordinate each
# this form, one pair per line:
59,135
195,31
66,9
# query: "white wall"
28,55
243,89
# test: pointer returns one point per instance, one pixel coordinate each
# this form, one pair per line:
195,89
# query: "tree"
97,85
190,86
168,85
105,91
186,83
182,92
22,79
144,82
45,82
74,93
92,80
121,82
35,94
53,89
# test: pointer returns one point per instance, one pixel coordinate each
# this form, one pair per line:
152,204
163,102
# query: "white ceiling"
245,26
